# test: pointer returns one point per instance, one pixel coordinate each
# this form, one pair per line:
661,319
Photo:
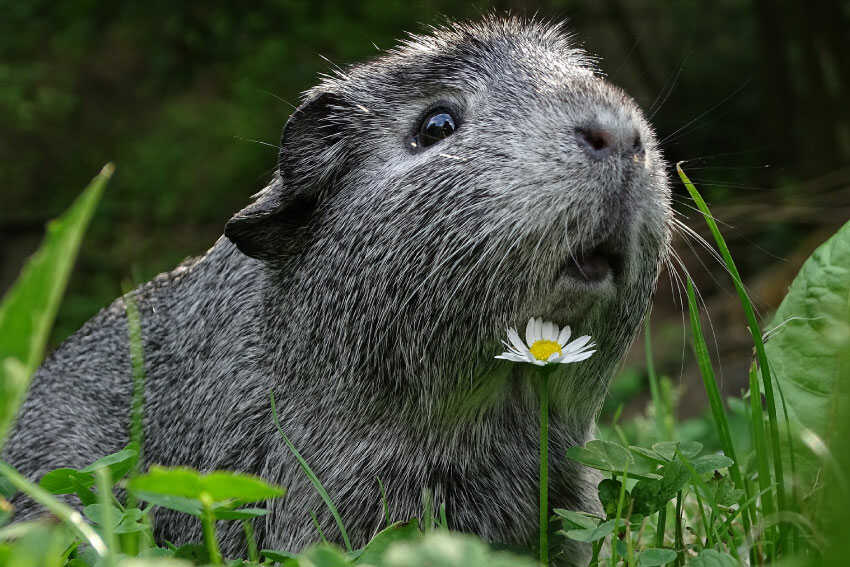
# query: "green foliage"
755,332
28,309
808,346
713,558
652,557
219,486
72,481
450,550
379,544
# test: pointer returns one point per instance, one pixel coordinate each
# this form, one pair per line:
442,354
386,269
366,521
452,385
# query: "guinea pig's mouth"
593,265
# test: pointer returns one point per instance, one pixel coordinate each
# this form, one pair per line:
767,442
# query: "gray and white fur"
369,285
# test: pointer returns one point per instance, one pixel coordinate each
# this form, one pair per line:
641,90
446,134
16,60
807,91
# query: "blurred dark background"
188,99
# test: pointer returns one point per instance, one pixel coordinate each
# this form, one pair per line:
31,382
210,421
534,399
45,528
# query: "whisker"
678,289
702,115
262,143
279,98
663,96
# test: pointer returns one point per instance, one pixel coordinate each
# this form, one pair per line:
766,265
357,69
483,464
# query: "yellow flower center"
542,350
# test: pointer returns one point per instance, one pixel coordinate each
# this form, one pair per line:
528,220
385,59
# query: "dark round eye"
436,126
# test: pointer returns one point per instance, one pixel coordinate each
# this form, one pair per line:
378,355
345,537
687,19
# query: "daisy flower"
546,344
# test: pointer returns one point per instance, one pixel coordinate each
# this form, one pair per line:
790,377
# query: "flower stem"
544,466
208,521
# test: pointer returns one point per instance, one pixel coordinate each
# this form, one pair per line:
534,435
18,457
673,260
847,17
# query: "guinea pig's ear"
275,224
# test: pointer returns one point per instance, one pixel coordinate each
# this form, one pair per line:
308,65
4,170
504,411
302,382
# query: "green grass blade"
621,498
762,455
755,332
104,494
318,527
661,526
317,484
253,553
29,307
714,400
71,517
661,424
679,536
137,361
384,501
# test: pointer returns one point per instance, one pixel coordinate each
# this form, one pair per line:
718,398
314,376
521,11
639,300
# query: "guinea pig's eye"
438,124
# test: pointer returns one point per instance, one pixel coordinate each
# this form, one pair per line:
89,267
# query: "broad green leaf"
194,552
124,522
609,496
181,504
379,544
578,519
222,485
446,549
809,343
29,307
593,534
713,558
130,522
70,481
646,462
36,546
193,507
602,455
279,556
654,557
179,481
323,556
650,495
65,481
187,483
688,449
7,489
119,463
721,491
709,463
94,512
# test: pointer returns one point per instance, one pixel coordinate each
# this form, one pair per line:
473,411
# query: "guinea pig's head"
459,184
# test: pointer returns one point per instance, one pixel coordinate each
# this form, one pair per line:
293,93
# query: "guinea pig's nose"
599,142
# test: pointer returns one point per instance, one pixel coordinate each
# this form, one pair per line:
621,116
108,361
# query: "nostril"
595,141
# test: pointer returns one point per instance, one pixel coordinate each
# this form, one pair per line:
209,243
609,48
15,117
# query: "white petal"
511,356
529,332
577,344
538,330
513,336
550,331
577,357
554,357
533,335
564,336
539,362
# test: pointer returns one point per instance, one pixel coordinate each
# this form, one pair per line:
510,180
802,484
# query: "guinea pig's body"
425,201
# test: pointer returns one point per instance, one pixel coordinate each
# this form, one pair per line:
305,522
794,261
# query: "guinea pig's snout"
600,142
